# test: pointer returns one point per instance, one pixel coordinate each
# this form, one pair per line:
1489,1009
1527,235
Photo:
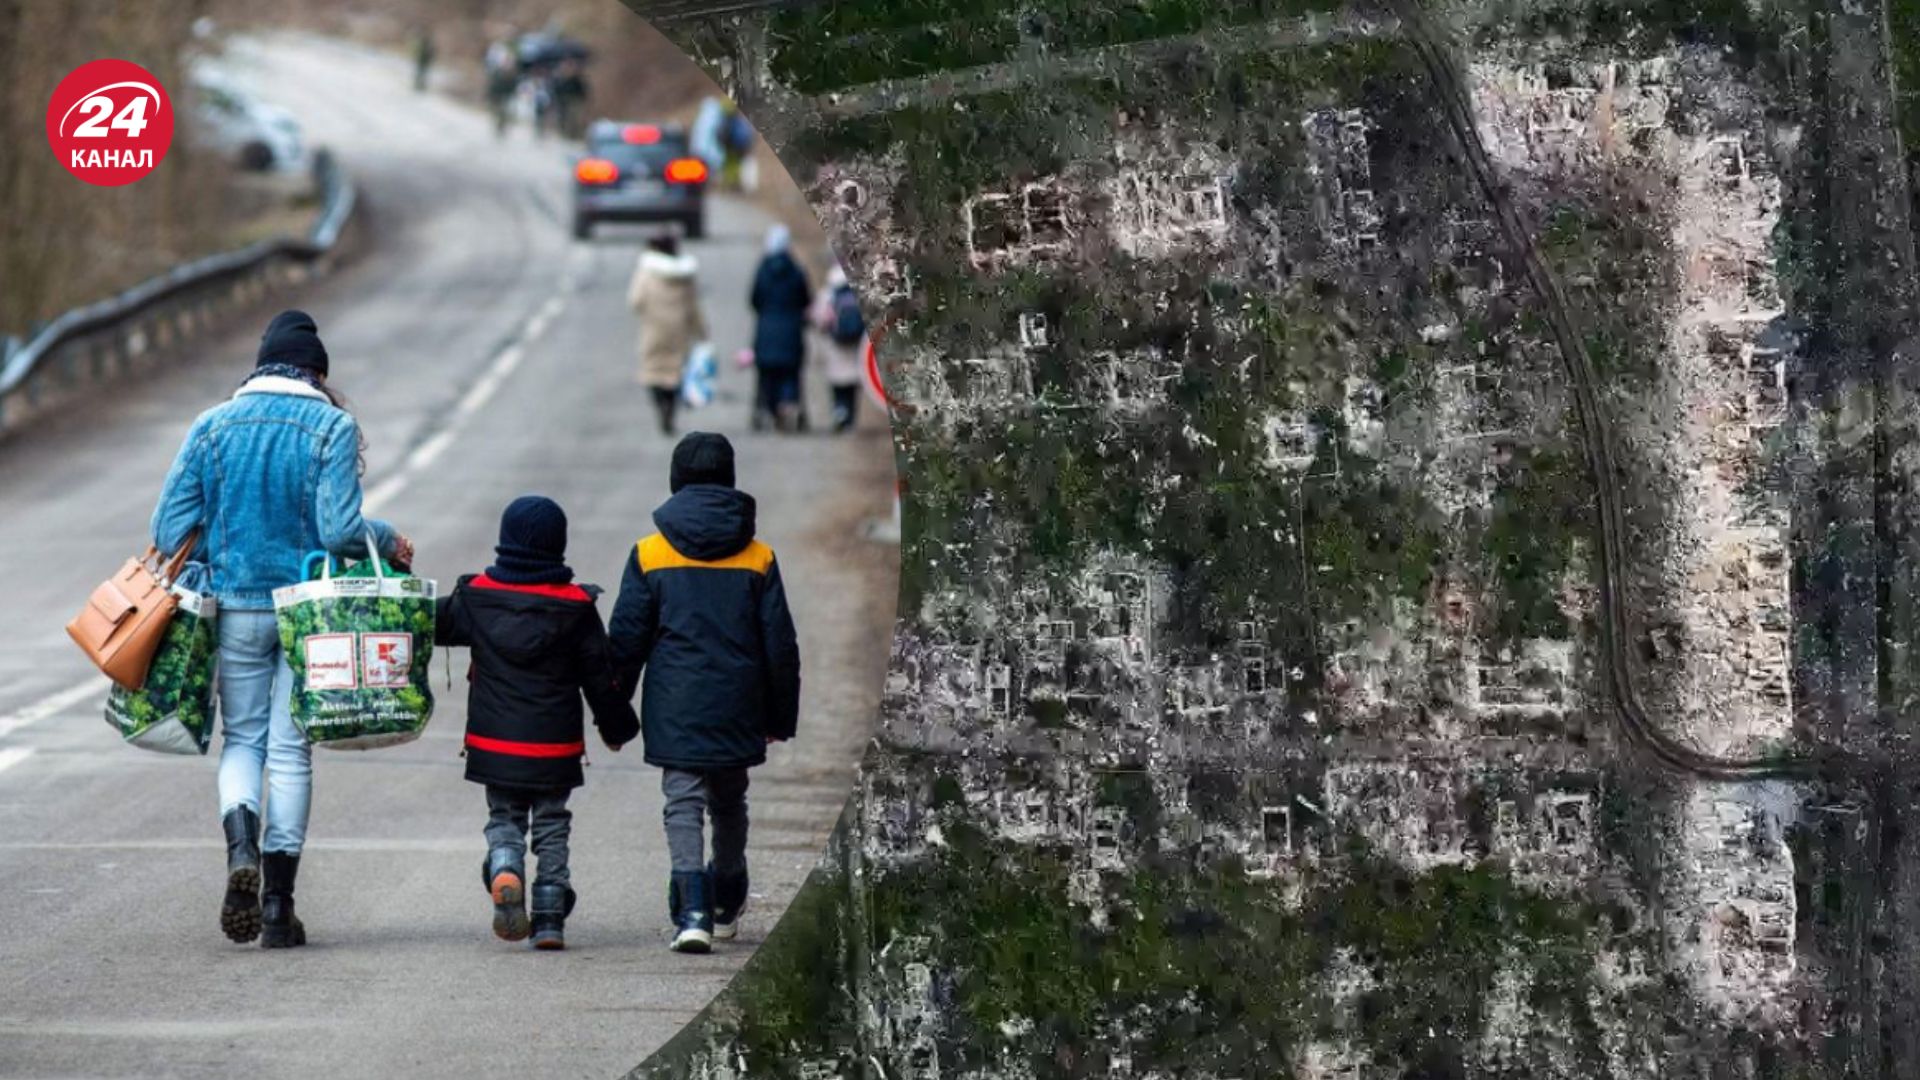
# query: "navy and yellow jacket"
703,614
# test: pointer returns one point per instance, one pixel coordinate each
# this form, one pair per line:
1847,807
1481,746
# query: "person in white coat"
665,294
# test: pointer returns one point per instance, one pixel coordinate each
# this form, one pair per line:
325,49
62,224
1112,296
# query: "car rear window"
670,145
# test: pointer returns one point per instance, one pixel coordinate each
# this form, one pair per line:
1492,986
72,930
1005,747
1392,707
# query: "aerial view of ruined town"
1409,532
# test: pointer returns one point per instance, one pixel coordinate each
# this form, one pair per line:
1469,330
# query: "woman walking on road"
665,294
780,297
265,478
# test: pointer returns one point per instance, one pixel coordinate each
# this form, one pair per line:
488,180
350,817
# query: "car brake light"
686,170
596,171
644,134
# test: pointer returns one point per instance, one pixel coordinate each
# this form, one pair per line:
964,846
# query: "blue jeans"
258,735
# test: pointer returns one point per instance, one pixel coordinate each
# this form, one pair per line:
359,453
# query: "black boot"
505,877
689,903
240,910
552,903
729,900
279,927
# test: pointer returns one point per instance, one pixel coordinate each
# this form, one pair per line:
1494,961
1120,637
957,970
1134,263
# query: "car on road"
253,134
638,172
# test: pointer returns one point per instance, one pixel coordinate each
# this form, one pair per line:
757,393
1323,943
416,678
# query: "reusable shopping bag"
172,711
358,643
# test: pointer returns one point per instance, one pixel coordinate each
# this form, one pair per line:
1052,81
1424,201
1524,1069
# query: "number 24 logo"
132,118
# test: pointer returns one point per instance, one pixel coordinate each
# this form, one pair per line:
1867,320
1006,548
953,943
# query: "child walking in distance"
703,614
538,646
836,314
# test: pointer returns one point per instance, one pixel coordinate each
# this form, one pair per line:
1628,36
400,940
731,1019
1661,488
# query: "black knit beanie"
701,458
292,338
533,544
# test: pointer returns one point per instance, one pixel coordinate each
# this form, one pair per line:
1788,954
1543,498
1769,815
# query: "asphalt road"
487,355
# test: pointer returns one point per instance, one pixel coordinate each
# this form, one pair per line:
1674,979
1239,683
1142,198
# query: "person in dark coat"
780,298
702,612
538,647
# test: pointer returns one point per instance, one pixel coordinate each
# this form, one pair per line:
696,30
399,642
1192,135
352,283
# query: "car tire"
256,156
696,227
582,227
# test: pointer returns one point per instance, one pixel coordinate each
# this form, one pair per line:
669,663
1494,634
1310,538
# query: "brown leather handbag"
121,626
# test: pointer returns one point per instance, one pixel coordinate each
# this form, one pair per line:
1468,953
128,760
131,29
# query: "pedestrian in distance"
780,298
570,96
836,315
423,53
263,479
538,647
703,615
736,142
503,81
665,294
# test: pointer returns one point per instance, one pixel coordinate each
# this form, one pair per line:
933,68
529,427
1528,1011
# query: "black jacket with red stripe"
537,649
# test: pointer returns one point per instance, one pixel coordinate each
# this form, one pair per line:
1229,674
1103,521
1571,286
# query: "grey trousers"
694,797
511,811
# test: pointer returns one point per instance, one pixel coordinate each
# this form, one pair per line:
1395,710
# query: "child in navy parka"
703,614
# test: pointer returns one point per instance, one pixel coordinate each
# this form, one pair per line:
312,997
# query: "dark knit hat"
702,458
533,543
292,338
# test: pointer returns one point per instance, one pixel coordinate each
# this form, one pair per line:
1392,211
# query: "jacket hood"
669,266
707,521
523,622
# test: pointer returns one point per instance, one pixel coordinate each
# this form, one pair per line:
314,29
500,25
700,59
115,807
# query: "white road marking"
470,404
482,391
176,1030
53,704
430,844
14,755
429,452
548,311
383,493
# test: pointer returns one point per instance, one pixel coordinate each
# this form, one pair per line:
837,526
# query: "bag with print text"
358,643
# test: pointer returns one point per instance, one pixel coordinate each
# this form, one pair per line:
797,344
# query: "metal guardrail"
24,364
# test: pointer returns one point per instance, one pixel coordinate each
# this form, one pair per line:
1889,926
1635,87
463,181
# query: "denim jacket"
267,477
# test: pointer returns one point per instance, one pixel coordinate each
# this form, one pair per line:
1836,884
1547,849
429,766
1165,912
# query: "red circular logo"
110,122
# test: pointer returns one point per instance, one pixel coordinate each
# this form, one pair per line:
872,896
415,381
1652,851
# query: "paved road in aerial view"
487,355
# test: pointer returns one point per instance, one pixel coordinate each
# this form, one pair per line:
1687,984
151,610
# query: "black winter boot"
240,910
280,928
552,903
689,902
729,900
505,876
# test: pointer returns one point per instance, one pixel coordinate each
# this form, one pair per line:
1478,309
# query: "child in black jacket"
538,645
703,612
